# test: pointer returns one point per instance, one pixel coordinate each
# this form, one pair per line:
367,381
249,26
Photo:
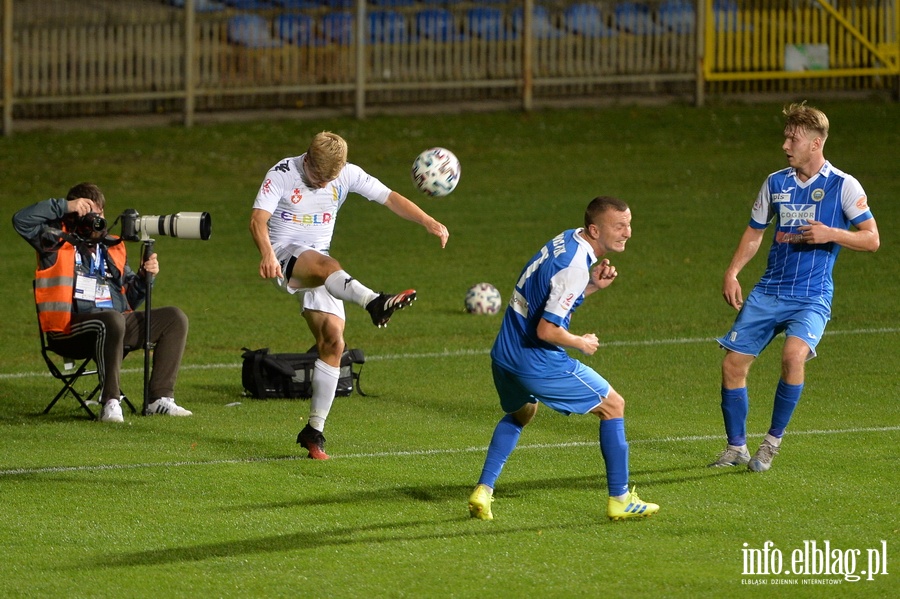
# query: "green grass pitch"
224,504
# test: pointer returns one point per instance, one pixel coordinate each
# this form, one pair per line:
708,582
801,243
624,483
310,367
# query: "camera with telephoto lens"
85,226
183,225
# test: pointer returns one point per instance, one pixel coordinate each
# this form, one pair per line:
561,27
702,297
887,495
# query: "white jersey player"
292,225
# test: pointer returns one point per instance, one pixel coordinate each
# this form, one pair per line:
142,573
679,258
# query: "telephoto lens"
185,225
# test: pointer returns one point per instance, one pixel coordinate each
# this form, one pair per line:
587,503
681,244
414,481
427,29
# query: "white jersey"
305,215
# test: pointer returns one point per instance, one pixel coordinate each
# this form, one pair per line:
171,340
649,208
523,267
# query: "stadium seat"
393,3
636,18
297,29
541,26
199,5
337,27
248,4
587,20
437,24
488,24
388,27
677,16
727,16
72,370
251,31
298,4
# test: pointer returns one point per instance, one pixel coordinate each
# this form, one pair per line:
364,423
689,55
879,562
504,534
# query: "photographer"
88,297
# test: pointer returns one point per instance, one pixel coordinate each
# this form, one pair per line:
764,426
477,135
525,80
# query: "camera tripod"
146,252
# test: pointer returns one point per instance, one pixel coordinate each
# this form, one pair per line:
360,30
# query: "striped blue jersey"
551,286
832,197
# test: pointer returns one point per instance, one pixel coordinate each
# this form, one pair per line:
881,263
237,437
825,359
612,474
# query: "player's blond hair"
326,156
807,118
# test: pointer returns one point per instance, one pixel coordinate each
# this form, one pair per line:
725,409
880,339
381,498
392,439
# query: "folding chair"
73,369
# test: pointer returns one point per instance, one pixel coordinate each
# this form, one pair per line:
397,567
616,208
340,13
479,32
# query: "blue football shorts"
575,392
762,317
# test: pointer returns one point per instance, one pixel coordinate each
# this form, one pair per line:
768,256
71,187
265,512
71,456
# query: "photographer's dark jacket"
61,261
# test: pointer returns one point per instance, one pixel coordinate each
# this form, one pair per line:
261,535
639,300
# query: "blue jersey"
551,286
832,197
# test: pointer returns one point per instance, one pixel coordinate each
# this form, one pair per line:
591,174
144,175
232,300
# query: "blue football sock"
786,399
504,440
735,405
614,449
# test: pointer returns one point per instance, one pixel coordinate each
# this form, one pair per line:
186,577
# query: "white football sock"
324,384
774,441
344,287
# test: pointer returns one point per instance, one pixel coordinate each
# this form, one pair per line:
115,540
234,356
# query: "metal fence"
66,58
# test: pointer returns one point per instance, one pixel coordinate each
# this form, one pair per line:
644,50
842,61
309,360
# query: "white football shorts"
310,298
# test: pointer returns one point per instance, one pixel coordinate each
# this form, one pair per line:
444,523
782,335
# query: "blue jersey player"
529,358
816,209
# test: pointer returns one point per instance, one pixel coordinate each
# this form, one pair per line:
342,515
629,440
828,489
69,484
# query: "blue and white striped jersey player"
529,358
817,209
292,225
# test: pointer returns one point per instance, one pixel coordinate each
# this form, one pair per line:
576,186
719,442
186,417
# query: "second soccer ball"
436,172
483,298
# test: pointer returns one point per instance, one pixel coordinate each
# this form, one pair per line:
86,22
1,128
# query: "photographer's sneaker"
631,507
112,411
166,406
762,459
382,307
314,442
732,457
480,503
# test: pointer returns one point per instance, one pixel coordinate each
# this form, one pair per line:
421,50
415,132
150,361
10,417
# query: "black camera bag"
266,375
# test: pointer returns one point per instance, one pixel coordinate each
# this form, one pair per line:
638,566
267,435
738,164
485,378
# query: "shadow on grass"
515,489
339,536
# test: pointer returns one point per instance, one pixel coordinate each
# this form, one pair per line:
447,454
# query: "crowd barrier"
65,58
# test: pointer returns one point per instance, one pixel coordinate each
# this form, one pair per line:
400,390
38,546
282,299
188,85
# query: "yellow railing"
761,39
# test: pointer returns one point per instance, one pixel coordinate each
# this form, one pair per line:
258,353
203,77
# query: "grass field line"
411,453
468,352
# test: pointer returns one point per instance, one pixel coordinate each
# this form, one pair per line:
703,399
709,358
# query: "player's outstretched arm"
405,208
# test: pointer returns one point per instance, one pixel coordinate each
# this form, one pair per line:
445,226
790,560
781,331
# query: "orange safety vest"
54,288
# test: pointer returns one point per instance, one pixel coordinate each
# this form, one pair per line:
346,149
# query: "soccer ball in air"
436,172
483,298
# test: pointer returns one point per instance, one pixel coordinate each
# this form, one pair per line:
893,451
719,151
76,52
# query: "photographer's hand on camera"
82,206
